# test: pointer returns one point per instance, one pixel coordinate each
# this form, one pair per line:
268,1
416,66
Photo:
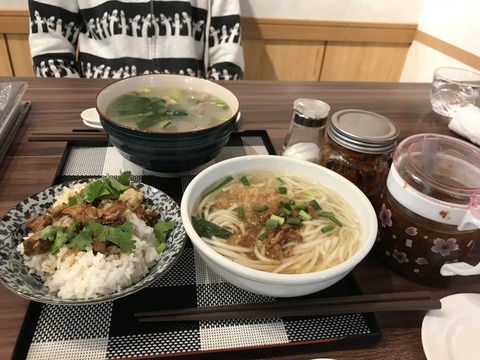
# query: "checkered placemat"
109,330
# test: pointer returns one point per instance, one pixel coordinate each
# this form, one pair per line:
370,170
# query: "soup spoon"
91,118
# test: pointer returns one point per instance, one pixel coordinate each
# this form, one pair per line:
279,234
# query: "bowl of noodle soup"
277,226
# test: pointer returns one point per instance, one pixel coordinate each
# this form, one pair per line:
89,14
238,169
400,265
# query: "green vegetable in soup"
168,110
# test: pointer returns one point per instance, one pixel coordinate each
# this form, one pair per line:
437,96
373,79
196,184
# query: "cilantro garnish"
105,188
161,230
122,236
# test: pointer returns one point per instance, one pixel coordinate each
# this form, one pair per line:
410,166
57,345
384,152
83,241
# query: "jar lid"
465,217
363,131
310,112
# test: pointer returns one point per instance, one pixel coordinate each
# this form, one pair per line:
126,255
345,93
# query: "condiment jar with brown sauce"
430,211
359,146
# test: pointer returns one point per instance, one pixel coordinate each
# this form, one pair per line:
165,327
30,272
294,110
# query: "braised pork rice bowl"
89,241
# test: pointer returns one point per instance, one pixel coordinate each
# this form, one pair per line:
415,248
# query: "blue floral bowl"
15,275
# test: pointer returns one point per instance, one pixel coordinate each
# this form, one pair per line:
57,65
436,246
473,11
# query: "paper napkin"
466,123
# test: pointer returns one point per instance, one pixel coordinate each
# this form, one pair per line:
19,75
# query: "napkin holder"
12,112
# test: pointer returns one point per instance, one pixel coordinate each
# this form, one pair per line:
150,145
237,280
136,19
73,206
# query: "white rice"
75,274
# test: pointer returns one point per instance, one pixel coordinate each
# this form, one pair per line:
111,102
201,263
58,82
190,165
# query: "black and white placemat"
109,330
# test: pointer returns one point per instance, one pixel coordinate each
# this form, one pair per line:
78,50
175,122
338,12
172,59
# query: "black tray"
108,330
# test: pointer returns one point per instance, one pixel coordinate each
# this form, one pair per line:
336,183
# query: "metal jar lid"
310,112
363,131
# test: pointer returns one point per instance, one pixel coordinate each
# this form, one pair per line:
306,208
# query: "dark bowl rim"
105,119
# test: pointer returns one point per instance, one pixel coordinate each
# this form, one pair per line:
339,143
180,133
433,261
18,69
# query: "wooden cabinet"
274,49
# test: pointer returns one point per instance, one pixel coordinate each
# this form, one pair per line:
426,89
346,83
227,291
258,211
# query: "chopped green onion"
285,210
315,205
165,123
244,180
294,221
327,214
280,219
282,190
280,180
271,223
286,205
259,208
299,205
219,185
327,228
309,193
331,216
304,215
336,221
241,212
262,236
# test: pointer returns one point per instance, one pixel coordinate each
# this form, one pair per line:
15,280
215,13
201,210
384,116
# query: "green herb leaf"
105,188
161,230
81,241
205,228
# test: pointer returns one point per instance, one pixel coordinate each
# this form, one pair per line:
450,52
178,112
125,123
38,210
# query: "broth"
161,109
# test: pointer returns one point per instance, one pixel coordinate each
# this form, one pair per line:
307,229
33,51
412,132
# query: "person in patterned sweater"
118,39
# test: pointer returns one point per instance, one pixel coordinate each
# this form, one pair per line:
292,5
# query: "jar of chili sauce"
359,146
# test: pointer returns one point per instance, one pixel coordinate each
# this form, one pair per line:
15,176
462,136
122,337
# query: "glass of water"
453,88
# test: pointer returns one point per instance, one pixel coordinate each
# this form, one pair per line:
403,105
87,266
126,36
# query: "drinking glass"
453,88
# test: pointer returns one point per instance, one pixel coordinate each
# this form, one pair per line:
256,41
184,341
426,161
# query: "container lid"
363,131
310,112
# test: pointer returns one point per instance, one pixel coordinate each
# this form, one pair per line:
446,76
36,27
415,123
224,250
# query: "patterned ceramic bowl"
15,275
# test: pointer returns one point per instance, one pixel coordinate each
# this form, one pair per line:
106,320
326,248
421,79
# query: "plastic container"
430,210
359,146
306,133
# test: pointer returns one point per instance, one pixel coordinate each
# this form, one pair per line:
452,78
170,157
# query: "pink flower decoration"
412,231
444,247
421,261
385,216
400,256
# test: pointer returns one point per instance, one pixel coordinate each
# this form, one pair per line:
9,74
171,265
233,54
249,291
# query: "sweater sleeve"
54,29
226,60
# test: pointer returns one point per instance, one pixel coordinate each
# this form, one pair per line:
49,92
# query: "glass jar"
307,129
359,146
430,210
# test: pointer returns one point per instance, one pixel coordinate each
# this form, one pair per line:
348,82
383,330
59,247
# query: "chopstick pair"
75,135
403,301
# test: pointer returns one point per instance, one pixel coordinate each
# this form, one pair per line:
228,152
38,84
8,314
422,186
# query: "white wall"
393,11
355,10
456,22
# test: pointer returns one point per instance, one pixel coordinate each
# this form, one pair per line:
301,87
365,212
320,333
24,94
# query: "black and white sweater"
117,39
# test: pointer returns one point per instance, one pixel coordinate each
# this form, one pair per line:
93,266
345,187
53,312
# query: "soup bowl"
275,284
167,152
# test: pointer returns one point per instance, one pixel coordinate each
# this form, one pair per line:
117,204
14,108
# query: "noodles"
287,224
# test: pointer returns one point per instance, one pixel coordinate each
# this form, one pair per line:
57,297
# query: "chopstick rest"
410,301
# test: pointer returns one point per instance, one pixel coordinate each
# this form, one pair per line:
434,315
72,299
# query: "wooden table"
29,167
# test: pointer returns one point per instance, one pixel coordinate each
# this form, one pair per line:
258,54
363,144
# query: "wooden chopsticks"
403,301
75,135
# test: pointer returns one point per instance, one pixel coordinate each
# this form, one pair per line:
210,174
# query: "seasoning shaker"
307,129
359,146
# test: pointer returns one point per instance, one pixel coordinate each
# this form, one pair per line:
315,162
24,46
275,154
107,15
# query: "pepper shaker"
307,129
